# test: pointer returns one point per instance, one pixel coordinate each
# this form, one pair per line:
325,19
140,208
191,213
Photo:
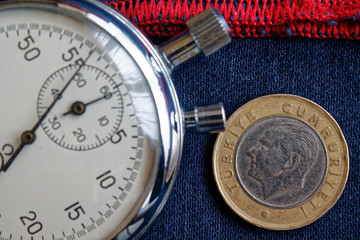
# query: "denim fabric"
325,71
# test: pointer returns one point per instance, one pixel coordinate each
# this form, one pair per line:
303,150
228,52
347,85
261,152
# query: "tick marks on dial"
61,76
57,29
137,165
100,221
89,43
45,27
22,26
99,140
133,176
34,26
79,38
116,205
97,77
11,27
91,227
68,33
123,196
108,213
62,138
128,186
139,154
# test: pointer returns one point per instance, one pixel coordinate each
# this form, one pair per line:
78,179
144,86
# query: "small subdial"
87,114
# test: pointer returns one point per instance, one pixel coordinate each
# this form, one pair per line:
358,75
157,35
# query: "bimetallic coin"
281,163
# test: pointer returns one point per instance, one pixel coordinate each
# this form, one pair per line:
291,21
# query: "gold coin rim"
255,220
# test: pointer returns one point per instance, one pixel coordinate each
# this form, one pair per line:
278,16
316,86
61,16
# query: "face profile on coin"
281,163
281,158
285,157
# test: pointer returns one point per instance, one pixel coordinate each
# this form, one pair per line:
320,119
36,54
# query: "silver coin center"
281,161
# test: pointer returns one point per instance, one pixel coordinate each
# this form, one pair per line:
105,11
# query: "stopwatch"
91,127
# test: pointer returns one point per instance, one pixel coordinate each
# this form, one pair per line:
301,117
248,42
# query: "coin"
282,162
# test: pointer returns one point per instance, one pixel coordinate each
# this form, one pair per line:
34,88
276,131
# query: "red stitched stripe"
250,18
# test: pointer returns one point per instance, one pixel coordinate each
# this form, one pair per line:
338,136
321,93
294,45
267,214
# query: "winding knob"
207,32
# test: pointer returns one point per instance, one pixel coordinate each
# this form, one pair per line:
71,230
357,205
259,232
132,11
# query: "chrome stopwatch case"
91,127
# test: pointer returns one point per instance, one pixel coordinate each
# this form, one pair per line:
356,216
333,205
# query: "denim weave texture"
325,71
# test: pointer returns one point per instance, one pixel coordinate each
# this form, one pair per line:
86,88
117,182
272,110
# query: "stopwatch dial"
88,114
82,96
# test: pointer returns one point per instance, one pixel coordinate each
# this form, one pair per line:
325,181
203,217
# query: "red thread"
250,18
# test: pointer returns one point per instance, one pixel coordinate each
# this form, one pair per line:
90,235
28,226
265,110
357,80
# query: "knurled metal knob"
207,32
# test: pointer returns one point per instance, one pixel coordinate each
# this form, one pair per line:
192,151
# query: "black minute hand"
29,137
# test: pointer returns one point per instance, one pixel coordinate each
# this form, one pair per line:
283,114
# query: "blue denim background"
326,71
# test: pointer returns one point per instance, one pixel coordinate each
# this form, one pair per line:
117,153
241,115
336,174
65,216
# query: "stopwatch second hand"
79,107
28,137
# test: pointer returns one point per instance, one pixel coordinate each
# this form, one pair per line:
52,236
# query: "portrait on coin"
282,157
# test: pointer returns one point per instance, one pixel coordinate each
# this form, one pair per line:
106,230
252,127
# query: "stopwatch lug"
209,118
207,32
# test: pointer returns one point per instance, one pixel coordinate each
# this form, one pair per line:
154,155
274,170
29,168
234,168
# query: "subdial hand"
78,108
28,137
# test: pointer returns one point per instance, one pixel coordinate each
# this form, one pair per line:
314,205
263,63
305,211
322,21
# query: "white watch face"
83,168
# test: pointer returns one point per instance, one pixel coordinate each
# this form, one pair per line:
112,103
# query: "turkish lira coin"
282,162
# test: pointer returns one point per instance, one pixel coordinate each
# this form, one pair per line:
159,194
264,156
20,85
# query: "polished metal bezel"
158,78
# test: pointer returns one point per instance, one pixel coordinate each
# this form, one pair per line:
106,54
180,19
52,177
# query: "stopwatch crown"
209,30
